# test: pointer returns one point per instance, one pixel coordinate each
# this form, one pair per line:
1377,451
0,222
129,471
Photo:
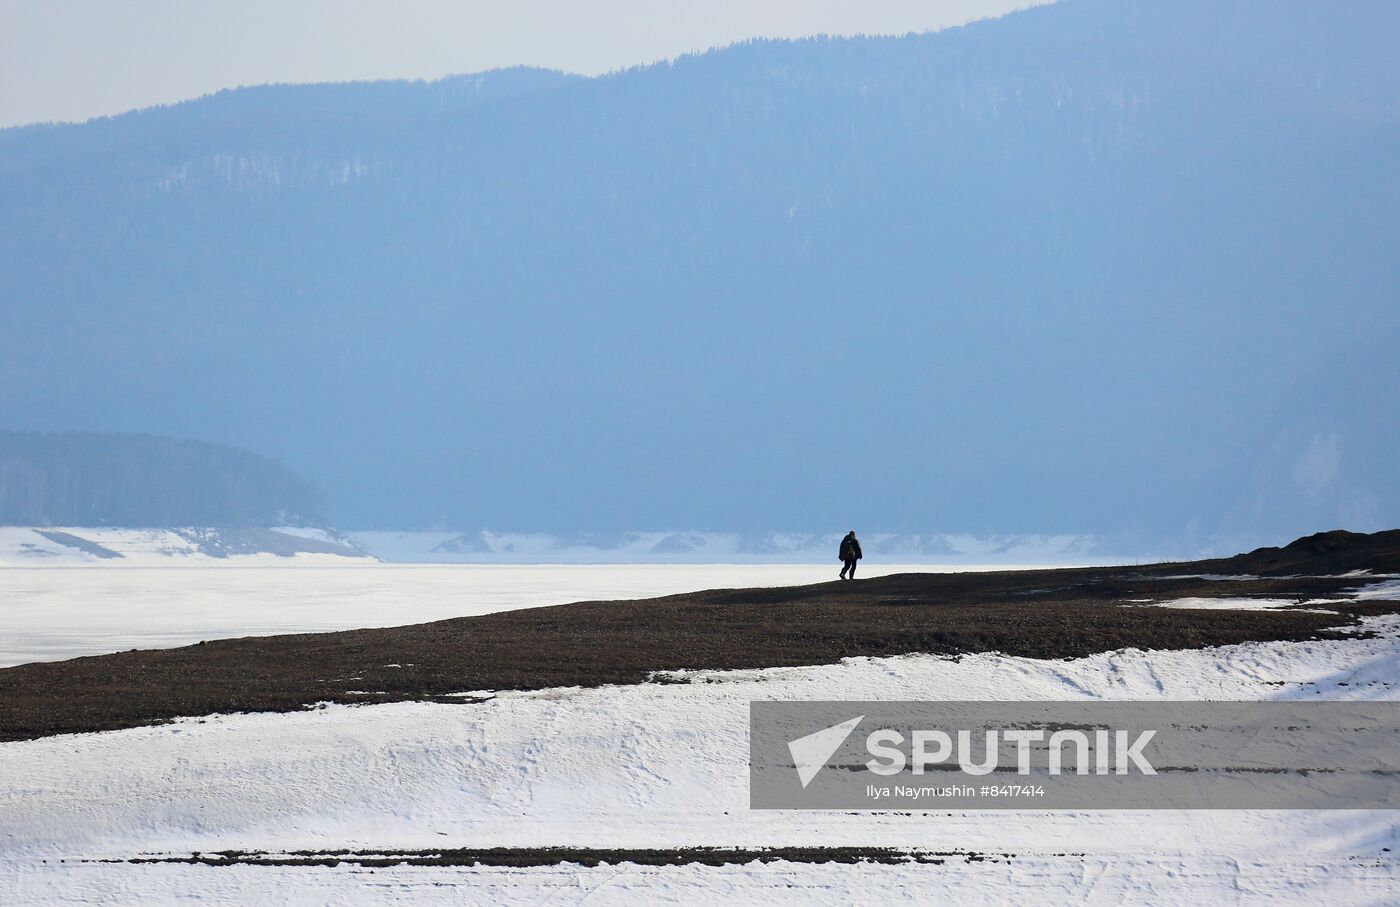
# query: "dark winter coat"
850,547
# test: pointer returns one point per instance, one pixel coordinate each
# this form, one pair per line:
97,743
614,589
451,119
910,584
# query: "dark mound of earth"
1325,553
582,856
1036,613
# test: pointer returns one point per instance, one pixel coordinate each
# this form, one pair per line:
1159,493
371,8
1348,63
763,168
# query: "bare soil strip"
553,856
1033,613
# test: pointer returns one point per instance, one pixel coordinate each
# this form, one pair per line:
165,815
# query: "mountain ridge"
1032,275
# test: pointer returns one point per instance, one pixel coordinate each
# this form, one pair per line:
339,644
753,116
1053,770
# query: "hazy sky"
75,59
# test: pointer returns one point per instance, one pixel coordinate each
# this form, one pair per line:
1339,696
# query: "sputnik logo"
810,753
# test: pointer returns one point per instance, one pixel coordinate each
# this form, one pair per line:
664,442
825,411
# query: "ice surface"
48,614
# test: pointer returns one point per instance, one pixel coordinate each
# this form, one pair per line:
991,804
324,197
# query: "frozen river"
52,613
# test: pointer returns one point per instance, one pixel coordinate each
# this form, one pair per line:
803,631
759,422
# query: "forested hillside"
1080,269
88,479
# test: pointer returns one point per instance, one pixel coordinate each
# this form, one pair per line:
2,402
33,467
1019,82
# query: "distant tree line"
97,479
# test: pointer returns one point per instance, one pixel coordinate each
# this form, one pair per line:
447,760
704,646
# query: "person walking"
850,553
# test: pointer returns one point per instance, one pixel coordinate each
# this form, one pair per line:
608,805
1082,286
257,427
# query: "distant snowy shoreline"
285,545
60,546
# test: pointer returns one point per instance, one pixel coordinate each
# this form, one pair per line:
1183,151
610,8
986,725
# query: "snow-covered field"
635,767
1370,589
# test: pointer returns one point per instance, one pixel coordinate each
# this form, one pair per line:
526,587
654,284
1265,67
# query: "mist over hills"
95,479
1113,268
